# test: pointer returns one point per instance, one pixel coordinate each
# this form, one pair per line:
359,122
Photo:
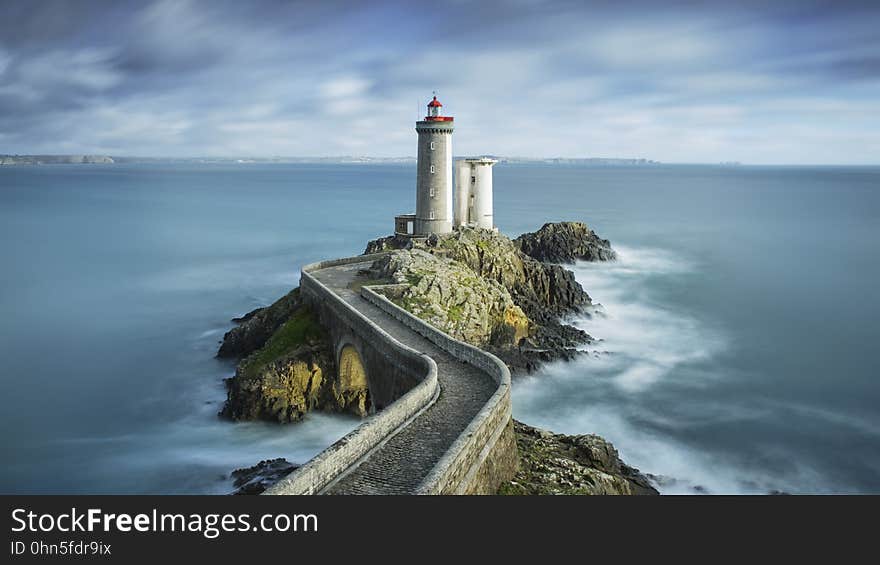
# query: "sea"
735,333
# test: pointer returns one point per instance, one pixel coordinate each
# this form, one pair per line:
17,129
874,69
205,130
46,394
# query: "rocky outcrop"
389,243
543,292
452,297
257,326
256,479
565,242
292,373
561,464
284,390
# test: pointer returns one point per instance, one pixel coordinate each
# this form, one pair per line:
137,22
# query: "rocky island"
423,333
509,297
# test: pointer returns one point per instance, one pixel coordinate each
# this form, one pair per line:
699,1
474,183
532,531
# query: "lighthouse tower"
434,173
473,193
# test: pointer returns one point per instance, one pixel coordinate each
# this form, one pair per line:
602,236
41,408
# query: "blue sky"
757,82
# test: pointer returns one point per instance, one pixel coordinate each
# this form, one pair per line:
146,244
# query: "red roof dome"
434,103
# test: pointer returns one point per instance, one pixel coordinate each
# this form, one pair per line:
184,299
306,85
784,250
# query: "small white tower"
473,197
434,173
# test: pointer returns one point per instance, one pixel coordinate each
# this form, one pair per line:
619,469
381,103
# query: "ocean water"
737,327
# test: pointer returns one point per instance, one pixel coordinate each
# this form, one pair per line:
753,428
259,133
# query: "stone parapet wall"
484,456
324,468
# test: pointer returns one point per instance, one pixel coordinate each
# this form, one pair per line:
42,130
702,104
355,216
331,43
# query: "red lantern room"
434,112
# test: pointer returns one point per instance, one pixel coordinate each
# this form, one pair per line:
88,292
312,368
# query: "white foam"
644,344
197,453
649,341
212,332
572,399
633,389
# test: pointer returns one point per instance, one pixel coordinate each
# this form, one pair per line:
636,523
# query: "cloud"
681,83
5,59
87,69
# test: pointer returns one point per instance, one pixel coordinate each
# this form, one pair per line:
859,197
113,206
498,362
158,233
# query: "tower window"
432,192
431,215
432,169
432,146
473,180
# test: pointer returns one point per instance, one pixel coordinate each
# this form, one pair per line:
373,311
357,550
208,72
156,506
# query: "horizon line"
413,157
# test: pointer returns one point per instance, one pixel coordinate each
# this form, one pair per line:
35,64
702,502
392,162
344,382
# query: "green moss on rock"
293,373
257,326
450,296
302,328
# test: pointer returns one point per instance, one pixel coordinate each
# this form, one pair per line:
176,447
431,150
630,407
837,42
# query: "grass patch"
301,328
456,313
412,304
449,243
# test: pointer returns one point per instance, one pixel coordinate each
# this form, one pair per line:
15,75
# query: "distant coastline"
55,159
361,160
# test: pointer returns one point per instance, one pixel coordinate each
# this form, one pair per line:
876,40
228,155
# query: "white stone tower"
434,173
473,193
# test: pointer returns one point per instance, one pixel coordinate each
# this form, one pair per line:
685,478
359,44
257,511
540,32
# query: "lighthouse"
434,173
434,197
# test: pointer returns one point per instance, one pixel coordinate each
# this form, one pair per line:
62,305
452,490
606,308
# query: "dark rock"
565,242
552,341
257,326
256,479
561,464
247,316
549,291
527,360
389,243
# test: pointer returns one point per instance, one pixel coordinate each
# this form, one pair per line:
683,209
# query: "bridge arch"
353,383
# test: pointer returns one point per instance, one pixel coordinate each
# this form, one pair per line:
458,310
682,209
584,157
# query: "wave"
632,389
660,385
646,340
195,455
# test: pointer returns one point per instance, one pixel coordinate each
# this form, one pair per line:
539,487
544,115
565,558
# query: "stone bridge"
443,421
